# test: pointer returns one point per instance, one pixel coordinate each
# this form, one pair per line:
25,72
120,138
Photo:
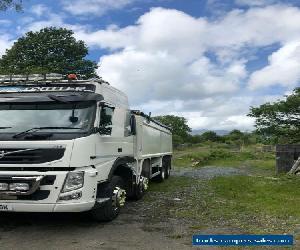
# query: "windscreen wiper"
39,128
4,127
58,98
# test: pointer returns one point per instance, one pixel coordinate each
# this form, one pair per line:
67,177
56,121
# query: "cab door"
113,139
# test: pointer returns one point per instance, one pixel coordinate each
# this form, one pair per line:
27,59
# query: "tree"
236,135
210,136
6,4
178,125
194,139
50,50
239,138
279,121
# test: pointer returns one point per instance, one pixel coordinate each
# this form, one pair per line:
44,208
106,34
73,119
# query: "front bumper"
46,198
57,207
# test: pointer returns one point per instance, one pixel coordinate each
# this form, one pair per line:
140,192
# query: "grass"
172,185
275,197
222,155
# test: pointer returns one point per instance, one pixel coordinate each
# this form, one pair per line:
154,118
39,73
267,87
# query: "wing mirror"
133,125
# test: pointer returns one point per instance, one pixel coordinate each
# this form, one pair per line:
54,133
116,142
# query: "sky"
205,60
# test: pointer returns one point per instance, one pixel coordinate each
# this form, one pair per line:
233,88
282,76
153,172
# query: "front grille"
48,180
30,156
36,196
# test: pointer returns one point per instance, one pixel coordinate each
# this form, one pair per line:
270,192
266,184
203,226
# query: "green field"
222,155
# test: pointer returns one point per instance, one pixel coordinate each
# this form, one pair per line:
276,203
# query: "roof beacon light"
72,77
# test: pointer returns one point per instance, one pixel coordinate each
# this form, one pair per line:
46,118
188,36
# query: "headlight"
18,186
73,196
3,186
74,180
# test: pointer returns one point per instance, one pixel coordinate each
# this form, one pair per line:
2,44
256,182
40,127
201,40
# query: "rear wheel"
141,188
168,172
163,174
168,167
117,196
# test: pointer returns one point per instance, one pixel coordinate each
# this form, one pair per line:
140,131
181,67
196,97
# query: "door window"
106,114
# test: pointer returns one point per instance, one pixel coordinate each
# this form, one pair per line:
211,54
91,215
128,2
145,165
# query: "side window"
105,126
127,131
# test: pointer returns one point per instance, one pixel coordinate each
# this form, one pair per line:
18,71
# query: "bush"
220,154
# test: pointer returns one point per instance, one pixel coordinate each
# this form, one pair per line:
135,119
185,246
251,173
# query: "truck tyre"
162,175
138,192
168,172
117,195
168,168
141,188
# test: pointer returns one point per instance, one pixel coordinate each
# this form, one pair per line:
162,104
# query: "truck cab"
73,146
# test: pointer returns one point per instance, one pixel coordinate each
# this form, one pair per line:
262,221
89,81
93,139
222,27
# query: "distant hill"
201,131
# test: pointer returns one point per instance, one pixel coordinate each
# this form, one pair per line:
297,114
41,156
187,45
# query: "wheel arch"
120,167
146,166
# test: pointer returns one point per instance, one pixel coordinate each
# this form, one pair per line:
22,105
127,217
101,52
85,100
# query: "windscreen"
73,117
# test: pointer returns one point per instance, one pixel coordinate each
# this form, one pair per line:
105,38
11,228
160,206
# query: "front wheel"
117,197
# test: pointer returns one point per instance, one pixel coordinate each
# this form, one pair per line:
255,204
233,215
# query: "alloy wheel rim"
163,175
118,198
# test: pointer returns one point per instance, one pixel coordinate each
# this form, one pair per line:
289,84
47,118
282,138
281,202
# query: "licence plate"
5,207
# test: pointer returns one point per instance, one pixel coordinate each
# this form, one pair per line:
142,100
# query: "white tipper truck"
74,145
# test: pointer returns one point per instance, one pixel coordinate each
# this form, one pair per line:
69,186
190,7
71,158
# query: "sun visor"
49,97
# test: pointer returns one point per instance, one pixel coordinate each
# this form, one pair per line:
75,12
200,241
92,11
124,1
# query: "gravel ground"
76,231
208,172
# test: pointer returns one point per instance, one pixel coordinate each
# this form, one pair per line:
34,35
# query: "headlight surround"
74,180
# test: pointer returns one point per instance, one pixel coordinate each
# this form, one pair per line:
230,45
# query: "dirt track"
76,231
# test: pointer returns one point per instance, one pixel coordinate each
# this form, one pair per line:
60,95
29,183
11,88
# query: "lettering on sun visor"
9,89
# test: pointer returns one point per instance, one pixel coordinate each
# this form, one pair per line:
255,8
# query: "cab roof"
55,84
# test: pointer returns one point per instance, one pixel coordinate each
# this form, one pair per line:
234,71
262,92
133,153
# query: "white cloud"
283,68
177,32
211,112
94,7
240,122
39,9
188,38
161,76
112,38
49,19
255,27
163,54
4,22
52,20
5,43
255,2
